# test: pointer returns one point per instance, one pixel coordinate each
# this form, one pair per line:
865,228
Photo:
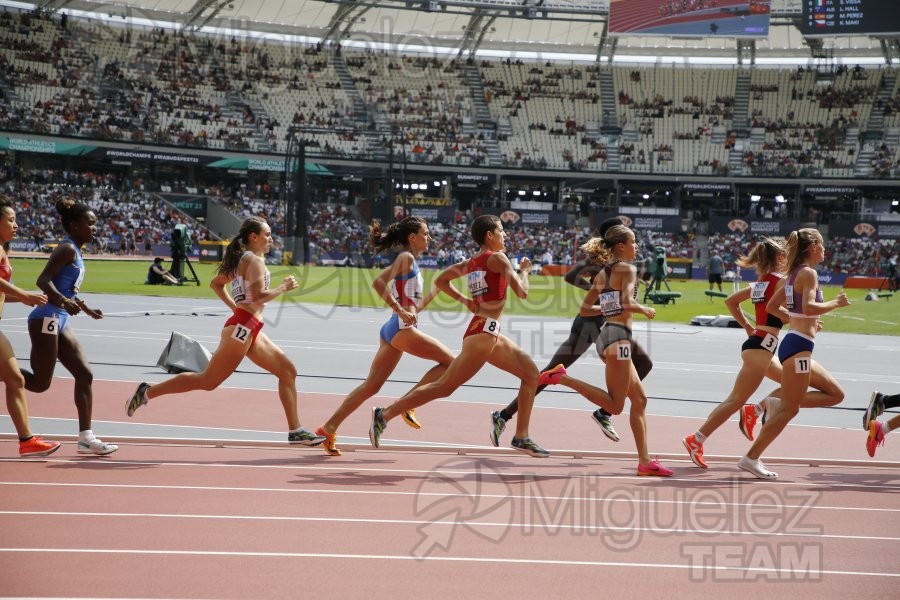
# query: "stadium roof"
551,29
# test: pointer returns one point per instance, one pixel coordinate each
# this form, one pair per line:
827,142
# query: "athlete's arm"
775,305
402,264
61,256
499,263
581,275
218,284
629,280
733,304
444,283
255,276
808,280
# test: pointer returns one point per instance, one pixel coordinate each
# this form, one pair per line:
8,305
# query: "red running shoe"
876,437
695,449
35,446
747,420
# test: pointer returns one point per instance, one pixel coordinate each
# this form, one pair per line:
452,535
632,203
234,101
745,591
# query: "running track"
435,514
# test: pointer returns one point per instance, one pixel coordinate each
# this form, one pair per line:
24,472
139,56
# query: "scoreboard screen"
850,17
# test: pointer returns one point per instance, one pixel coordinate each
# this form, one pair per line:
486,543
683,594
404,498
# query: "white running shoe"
96,447
757,468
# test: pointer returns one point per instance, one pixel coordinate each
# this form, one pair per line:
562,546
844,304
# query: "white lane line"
448,494
452,559
529,525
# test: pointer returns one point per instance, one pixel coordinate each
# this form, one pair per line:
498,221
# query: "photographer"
157,274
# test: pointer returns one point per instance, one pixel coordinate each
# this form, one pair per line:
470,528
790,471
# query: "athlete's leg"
637,415
72,358
384,363
510,358
793,386
225,360
267,355
474,353
44,350
16,403
756,363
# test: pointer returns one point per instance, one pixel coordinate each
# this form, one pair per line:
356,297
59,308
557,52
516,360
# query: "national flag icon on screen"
820,20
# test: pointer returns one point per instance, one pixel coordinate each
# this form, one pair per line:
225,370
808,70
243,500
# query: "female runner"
800,294
757,353
487,274
245,269
16,404
615,288
400,286
48,326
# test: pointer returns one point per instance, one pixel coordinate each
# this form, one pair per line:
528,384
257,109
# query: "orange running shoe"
328,446
409,417
747,420
695,449
551,376
35,446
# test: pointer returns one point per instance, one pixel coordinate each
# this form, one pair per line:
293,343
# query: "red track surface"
204,522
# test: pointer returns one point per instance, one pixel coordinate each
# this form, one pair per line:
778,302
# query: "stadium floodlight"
536,193
521,192
646,196
780,199
438,184
755,198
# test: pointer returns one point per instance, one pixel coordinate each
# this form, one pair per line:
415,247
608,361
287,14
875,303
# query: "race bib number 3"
50,326
801,365
491,326
769,342
240,333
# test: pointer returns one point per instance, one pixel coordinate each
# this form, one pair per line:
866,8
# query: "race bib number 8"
50,326
801,365
240,333
491,326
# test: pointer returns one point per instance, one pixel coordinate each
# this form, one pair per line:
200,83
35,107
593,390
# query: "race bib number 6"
491,326
50,326
240,333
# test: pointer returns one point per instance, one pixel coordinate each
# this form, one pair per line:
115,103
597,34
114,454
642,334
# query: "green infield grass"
549,296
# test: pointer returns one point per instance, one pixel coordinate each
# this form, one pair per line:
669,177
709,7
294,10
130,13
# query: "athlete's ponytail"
599,250
235,249
764,256
798,244
397,234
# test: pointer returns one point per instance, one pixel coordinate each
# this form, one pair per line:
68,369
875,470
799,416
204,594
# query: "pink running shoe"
551,376
653,468
876,437
747,421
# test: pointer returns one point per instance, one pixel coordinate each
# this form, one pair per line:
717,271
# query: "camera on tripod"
180,247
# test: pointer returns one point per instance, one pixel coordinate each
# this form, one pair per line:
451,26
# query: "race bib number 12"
240,333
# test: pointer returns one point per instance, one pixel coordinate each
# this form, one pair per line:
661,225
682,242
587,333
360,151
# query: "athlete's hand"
94,313
819,325
71,307
649,312
290,283
407,317
525,265
842,299
33,299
